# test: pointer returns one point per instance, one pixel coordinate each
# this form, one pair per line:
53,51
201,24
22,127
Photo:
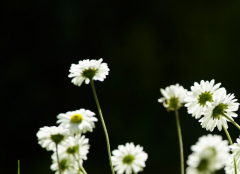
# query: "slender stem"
59,167
230,141
18,166
235,166
83,170
233,122
79,164
103,124
228,136
180,141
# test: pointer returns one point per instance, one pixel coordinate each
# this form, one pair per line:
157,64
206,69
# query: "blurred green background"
147,45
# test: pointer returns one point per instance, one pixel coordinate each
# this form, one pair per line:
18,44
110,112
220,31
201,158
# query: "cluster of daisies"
211,104
67,140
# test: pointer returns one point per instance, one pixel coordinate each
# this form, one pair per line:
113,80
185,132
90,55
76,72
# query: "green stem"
18,166
180,141
59,167
79,166
235,166
83,170
103,124
230,141
78,155
233,122
228,136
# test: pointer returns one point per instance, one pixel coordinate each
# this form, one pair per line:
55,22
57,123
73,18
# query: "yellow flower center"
76,118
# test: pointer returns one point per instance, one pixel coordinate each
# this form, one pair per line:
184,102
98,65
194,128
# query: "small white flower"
173,97
236,152
48,137
199,95
229,168
129,159
209,154
79,121
199,165
75,148
87,70
68,165
214,114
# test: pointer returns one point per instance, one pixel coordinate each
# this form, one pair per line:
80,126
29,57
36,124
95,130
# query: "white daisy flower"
79,121
48,137
199,95
67,165
229,168
209,155
236,152
214,114
173,97
199,165
129,159
75,148
87,70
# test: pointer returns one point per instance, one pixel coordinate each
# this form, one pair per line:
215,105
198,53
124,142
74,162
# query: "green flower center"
57,138
128,159
203,165
204,97
72,150
173,103
89,73
212,151
218,111
63,164
76,118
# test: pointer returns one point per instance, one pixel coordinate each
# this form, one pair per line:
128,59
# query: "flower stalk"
230,141
59,166
79,165
180,141
233,122
18,166
103,123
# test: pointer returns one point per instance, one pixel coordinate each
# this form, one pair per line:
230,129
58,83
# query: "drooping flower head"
235,148
48,137
79,121
209,154
173,97
129,159
199,95
214,115
87,70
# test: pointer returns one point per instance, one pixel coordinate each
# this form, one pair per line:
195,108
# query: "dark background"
147,45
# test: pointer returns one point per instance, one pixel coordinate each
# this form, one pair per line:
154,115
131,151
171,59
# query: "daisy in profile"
236,152
173,97
49,137
219,111
129,159
79,121
88,70
200,94
229,168
209,155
